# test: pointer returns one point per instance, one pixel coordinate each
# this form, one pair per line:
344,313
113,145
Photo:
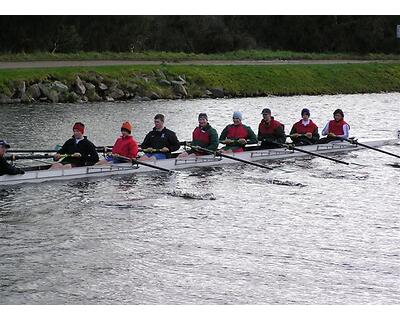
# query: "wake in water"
394,165
190,195
285,183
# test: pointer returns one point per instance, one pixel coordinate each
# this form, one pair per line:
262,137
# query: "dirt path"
90,63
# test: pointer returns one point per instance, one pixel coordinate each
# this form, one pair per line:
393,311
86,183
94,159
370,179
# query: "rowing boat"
39,176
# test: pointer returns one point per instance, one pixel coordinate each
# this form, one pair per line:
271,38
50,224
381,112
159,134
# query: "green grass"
181,56
238,80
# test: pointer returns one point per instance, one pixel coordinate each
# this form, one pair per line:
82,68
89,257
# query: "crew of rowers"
160,142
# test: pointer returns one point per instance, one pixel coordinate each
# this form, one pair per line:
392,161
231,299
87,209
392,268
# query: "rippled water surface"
317,233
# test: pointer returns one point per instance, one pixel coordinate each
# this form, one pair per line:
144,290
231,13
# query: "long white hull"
180,164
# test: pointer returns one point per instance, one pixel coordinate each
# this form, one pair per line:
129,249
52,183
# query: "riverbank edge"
151,82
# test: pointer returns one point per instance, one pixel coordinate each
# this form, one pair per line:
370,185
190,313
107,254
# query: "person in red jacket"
271,132
124,149
305,131
235,136
335,129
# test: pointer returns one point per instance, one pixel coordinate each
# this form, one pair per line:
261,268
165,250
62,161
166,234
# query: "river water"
317,233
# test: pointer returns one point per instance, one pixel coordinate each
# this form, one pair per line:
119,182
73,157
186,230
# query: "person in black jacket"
160,142
77,151
5,167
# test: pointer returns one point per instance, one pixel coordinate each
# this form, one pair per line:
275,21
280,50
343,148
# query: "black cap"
4,144
339,111
203,115
266,110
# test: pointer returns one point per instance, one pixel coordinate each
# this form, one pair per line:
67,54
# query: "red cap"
79,126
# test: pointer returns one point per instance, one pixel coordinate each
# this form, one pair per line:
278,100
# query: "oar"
143,163
98,149
219,153
14,157
354,141
292,147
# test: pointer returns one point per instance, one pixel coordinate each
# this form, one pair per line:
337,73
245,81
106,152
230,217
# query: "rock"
26,98
108,99
20,89
53,96
89,86
93,96
79,87
164,82
4,99
176,82
59,86
103,87
140,98
49,93
182,78
84,99
217,92
116,93
16,100
34,91
94,78
179,89
44,89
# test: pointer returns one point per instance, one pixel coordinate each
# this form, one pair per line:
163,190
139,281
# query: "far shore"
64,82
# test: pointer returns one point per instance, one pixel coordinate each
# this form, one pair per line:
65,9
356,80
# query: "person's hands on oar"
227,141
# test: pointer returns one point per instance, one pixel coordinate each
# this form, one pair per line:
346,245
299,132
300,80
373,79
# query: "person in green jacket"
236,135
203,136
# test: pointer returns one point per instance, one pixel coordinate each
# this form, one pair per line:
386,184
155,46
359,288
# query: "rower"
271,132
305,131
203,136
77,151
235,136
125,147
159,142
5,167
335,129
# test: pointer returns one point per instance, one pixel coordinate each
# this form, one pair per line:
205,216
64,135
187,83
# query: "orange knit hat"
127,126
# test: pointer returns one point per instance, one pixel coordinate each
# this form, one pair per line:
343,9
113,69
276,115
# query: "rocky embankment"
93,87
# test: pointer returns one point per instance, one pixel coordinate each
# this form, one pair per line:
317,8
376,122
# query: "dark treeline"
199,34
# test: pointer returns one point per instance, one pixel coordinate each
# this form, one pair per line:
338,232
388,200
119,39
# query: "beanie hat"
127,126
79,126
237,114
339,111
266,111
305,111
3,143
203,115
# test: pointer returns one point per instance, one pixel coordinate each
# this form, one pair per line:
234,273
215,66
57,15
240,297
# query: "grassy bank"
181,56
237,81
